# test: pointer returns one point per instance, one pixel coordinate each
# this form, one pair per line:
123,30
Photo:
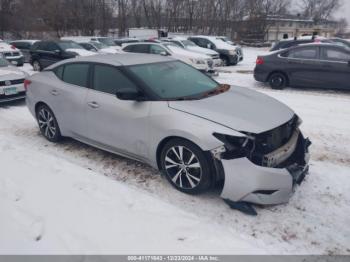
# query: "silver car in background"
165,113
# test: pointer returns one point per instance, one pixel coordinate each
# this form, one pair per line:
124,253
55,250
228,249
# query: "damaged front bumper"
246,182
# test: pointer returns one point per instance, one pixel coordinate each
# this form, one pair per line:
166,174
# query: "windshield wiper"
217,91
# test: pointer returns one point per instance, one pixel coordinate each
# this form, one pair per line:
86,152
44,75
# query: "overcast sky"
344,11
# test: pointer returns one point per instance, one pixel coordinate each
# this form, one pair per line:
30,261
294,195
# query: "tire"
48,124
278,81
226,61
37,66
189,171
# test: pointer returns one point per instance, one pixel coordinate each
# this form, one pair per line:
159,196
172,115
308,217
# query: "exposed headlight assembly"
232,52
235,147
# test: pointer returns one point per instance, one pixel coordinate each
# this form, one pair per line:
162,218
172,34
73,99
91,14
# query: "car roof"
118,59
25,41
319,44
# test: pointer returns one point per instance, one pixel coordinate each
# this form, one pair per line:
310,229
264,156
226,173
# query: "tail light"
26,84
260,61
13,47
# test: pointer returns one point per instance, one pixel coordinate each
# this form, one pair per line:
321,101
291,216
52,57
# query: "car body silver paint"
241,109
137,129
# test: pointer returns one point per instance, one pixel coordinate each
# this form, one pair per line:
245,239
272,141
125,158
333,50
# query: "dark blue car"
318,65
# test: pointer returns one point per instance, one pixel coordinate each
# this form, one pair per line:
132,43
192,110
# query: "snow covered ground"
70,198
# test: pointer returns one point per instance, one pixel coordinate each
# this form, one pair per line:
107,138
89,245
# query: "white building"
290,26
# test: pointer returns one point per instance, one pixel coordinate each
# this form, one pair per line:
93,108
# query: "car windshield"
174,80
107,41
69,45
99,45
188,43
3,62
170,44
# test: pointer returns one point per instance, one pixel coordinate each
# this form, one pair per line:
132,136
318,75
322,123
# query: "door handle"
54,93
93,105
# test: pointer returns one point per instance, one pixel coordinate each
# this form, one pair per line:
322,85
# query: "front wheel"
186,166
48,124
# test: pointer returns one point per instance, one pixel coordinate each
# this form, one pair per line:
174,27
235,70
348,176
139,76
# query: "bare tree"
319,9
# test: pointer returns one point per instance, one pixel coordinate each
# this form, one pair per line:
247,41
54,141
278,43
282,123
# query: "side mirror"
128,94
209,46
57,52
163,53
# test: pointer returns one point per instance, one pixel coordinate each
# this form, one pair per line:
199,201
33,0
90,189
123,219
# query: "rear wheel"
186,167
48,124
278,81
37,66
226,61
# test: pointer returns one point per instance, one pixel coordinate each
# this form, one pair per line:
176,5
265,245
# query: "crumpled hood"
11,73
240,109
81,52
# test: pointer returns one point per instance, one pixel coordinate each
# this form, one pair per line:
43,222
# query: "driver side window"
51,47
108,79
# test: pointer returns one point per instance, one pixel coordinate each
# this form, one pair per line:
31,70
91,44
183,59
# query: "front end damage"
262,169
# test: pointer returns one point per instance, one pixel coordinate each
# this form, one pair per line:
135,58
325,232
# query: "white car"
93,46
106,41
190,46
231,55
201,62
98,48
11,53
11,82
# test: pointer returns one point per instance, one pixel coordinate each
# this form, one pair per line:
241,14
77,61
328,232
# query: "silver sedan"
165,113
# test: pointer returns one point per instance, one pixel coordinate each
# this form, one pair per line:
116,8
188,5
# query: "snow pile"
50,206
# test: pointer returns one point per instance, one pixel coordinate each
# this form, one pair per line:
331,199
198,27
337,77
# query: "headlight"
236,147
232,52
197,61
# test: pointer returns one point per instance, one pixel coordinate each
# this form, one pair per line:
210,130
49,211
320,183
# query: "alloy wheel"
277,81
47,123
183,167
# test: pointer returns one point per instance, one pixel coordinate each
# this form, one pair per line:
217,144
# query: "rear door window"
59,72
140,49
304,53
157,50
334,54
108,79
76,74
